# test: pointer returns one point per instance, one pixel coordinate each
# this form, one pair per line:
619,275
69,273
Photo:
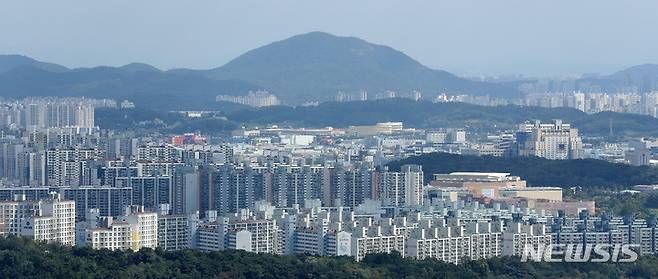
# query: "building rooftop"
489,174
476,177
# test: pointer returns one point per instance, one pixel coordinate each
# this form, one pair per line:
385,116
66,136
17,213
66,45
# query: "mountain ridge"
9,62
326,64
307,67
149,89
642,78
313,66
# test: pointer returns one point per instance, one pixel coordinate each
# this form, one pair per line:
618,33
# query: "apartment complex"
39,113
133,230
254,99
51,219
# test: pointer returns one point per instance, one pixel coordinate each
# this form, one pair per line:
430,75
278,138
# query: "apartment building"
50,220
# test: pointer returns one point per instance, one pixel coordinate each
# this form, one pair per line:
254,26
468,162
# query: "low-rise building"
485,184
553,194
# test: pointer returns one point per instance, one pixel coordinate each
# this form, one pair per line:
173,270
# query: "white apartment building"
517,236
606,230
134,230
376,239
50,220
159,153
176,232
438,243
41,113
453,244
555,141
259,98
64,166
243,232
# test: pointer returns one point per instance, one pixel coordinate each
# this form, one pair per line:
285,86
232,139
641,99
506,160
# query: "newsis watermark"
577,253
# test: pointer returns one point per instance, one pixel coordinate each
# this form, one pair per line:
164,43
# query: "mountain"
312,66
10,62
315,66
636,74
146,87
643,78
139,67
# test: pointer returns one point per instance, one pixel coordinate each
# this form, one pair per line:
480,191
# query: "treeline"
423,114
162,121
419,114
618,202
412,113
22,258
538,171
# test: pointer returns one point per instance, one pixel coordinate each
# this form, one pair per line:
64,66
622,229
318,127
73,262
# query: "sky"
467,37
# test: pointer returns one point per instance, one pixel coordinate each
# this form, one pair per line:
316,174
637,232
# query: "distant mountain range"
313,66
308,67
642,78
140,83
10,62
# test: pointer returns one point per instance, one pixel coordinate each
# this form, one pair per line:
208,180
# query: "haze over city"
338,139
533,38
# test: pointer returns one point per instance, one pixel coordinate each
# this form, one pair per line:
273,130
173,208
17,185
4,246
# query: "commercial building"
569,208
373,130
553,194
483,184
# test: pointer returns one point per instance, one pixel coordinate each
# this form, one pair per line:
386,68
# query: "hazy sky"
531,37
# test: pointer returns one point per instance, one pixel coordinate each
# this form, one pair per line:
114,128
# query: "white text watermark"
622,253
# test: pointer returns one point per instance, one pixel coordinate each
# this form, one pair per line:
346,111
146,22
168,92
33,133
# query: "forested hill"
423,114
538,171
317,65
418,114
22,258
